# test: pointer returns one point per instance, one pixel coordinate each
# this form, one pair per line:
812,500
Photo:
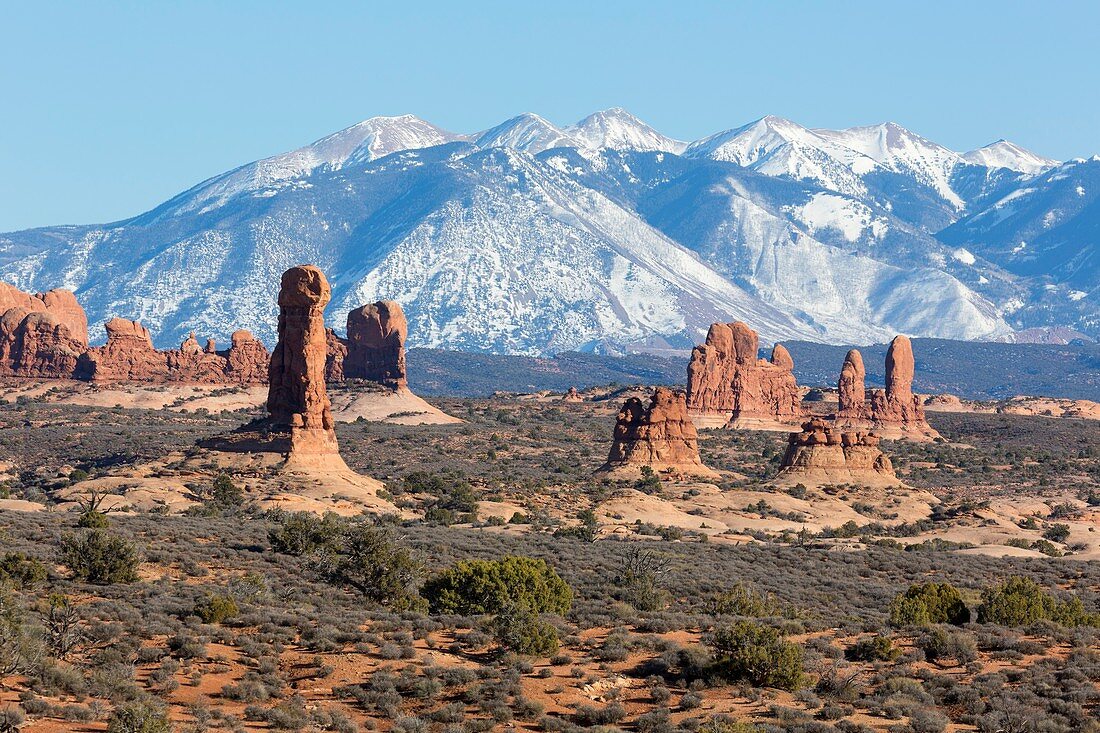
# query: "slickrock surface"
728,384
823,454
659,435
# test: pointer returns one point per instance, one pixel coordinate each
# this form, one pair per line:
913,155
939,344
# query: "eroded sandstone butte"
729,385
894,412
41,336
46,336
823,454
297,398
659,435
374,348
129,356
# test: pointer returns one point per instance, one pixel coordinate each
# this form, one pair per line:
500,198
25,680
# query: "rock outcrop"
895,411
728,384
36,344
852,408
41,336
297,399
659,435
46,336
247,359
374,349
822,454
129,356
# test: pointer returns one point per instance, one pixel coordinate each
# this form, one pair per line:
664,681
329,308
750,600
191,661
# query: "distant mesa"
823,454
894,412
728,386
660,436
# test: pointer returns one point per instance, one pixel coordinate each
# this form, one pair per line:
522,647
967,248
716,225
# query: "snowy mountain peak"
618,129
378,137
1006,154
527,132
776,146
903,151
750,143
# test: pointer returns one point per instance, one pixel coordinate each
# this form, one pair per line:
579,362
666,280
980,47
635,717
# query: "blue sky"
109,108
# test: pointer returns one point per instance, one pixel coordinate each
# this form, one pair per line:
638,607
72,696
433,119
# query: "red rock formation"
822,454
376,343
247,359
374,349
64,306
782,358
129,356
727,382
297,398
896,411
41,336
337,352
660,435
35,344
852,407
46,336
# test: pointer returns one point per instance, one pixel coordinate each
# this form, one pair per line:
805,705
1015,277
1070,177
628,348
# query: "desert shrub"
757,653
216,608
21,571
589,716
139,717
303,533
520,630
744,600
93,519
373,563
224,493
11,720
939,644
100,557
1020,601
929,603
876,648
488,586
639,580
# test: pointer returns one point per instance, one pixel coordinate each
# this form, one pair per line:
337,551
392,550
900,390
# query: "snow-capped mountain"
534,238
618,129
1005,154
1047,229
779,147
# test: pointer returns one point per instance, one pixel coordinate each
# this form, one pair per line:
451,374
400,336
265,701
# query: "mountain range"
608,236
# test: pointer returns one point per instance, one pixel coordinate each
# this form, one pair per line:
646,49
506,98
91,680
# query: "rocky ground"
648,562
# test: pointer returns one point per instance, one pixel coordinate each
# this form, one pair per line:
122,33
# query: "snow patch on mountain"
848,216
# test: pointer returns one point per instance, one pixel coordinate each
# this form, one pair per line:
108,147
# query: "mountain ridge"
530,238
